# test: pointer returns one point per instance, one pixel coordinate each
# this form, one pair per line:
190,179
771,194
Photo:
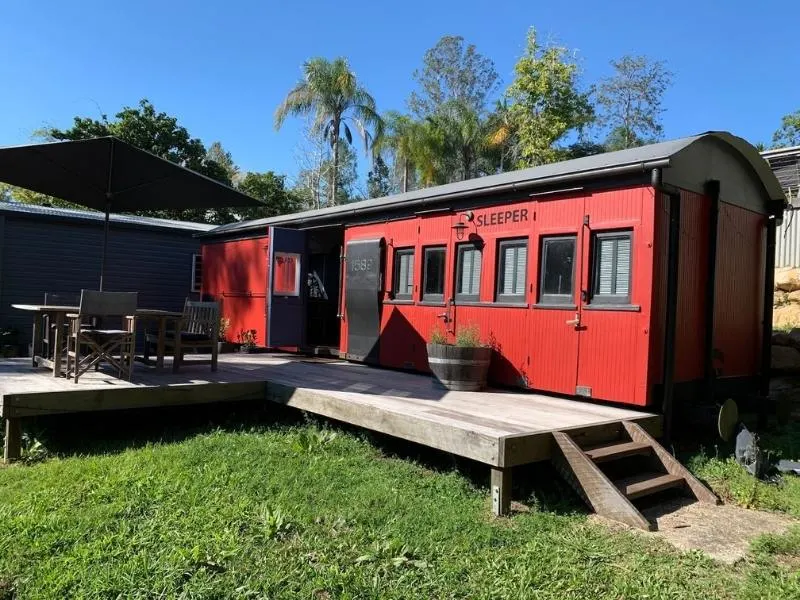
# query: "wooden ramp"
628,466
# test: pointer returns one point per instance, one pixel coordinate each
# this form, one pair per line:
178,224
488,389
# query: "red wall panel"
235,274
612,356
739,291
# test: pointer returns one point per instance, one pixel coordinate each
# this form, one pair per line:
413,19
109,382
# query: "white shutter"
403,275
409,280
521,267
508,270
623,266
605,271
475,281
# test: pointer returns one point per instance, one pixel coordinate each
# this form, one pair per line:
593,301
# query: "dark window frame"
197,272
437,298
556,299
512,298
396,274
610,299
460,249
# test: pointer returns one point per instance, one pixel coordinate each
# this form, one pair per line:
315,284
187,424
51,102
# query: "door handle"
576,321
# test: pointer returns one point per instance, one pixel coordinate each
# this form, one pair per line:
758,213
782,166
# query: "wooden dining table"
58,314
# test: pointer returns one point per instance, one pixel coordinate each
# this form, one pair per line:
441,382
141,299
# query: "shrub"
468,337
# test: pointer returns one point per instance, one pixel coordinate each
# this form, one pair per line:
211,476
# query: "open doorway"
322,290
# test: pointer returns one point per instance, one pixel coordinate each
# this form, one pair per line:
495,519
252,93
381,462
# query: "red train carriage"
625,277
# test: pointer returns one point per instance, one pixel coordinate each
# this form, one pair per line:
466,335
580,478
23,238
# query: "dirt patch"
723,532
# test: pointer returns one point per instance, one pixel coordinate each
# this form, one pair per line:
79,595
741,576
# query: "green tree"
217,154
270,189
379,183
330,91
630,101
10,193
453,71
546,103
399,139
789,132
157,133
314,182
465,137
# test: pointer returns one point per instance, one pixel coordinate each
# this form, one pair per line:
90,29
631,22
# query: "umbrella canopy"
108,174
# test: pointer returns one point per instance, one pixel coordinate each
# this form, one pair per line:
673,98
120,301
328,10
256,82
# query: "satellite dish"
727,419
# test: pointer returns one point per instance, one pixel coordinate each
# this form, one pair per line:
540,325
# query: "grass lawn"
296,510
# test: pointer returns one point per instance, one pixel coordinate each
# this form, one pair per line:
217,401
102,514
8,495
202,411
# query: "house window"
611,267
557,270
512,264
286,274
468,273
403,286
197,272
433,274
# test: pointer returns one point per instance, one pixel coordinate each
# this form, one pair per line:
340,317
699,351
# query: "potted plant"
224,327
247,340
462,365
9,342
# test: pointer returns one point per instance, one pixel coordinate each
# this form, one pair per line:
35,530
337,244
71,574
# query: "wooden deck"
500,429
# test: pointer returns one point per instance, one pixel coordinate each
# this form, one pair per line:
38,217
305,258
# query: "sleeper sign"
501,217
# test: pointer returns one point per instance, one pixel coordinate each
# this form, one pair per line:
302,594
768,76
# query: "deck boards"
488,426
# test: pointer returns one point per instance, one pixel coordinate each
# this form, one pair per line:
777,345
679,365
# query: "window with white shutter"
468,273
512,266
612,267
403,273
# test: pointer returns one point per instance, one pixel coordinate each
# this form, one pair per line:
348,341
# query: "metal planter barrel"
459,368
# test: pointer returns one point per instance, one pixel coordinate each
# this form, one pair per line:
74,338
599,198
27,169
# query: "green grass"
295,510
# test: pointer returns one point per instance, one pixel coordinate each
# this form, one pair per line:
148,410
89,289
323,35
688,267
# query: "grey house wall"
40,254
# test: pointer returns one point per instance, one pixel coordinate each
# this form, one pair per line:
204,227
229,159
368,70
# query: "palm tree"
400,138
329,90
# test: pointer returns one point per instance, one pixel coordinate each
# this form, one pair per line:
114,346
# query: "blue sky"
223,67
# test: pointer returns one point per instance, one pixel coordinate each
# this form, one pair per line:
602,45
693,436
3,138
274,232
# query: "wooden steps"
601,454
640,466
645,484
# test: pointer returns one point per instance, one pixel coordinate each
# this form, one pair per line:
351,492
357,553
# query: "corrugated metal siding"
787,247
41,256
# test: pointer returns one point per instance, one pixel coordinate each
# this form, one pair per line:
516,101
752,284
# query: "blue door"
286,297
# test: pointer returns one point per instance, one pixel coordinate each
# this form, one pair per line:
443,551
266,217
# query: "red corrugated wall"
534,347
235,274
739,292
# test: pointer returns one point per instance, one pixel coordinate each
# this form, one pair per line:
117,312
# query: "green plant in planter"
469,337
438,336
247,339
224,326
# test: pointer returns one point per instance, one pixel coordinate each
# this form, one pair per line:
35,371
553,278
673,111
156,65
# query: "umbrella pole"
109,195
105,244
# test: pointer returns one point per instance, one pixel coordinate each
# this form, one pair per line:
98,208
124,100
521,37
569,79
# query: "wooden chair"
102,344
198,328
48,326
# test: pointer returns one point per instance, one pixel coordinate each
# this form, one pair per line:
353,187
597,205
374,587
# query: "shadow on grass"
535,487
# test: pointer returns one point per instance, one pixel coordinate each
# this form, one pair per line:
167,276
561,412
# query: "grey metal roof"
610,163
785,163
86,215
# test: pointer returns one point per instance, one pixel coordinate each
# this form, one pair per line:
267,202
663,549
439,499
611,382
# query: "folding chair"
197,329
113,346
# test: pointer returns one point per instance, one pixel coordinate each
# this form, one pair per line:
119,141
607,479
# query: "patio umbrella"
108,174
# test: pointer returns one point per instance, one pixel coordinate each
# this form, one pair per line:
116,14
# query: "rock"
785,359
787,279
786,316
793,296
780,298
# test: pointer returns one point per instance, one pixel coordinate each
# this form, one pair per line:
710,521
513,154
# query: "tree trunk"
405,175
335,173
